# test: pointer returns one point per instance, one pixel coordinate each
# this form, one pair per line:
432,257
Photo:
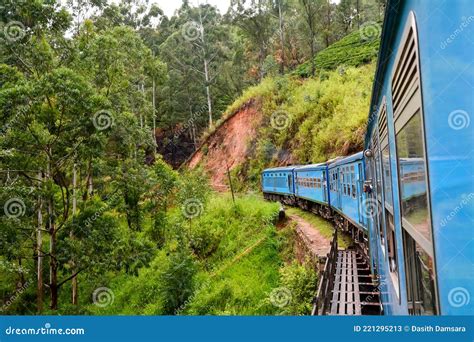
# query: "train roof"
281,168
348,159
310,167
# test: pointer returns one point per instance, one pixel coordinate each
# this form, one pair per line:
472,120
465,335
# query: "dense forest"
101,102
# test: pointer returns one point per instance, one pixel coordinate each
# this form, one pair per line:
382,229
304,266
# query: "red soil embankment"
228,145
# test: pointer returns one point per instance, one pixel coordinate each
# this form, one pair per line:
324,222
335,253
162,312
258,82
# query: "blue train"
408,198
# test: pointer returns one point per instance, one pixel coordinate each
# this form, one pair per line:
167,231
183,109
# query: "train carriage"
346,180
311,188
346,188
278,184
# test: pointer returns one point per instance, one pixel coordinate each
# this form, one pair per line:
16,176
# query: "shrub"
301,283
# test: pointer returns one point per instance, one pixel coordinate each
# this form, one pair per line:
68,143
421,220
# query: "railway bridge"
346,286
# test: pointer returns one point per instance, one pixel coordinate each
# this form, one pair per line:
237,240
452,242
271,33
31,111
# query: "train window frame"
412,106
400,122
354,183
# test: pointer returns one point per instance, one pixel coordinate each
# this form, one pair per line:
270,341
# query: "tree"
309,12
256,21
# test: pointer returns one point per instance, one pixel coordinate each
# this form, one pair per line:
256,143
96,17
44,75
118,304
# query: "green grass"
236,253
241,287
325,227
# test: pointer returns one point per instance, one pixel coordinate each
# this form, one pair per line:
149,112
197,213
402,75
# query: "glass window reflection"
412,176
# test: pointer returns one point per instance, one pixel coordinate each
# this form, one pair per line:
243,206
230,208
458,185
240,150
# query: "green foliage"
354,49
241,287
235,276
301,282
177,280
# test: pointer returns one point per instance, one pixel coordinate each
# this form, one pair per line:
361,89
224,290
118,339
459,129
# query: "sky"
169,6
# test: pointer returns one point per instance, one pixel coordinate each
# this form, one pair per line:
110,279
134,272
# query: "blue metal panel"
447,51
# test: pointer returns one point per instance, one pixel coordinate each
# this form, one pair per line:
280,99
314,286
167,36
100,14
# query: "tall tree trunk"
208,92
39,253
74,208
358,14
141,112
313,66
154,111
328,27
192,127
90,185
282,41
53,267
206,70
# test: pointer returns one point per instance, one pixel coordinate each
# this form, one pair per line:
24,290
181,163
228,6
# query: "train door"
373,208
290,183
387,198
360,193
339,186
325,188
378,200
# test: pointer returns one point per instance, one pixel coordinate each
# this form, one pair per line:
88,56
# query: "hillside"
294,120
355,49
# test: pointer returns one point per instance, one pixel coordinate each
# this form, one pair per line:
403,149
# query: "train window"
419,269
354,190
387,177
348,182
412,174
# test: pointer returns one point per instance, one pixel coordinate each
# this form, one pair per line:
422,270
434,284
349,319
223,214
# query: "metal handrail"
322,300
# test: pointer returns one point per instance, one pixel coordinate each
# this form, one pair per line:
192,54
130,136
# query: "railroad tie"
345,295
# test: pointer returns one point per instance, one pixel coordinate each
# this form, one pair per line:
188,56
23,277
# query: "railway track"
346,286
353,292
